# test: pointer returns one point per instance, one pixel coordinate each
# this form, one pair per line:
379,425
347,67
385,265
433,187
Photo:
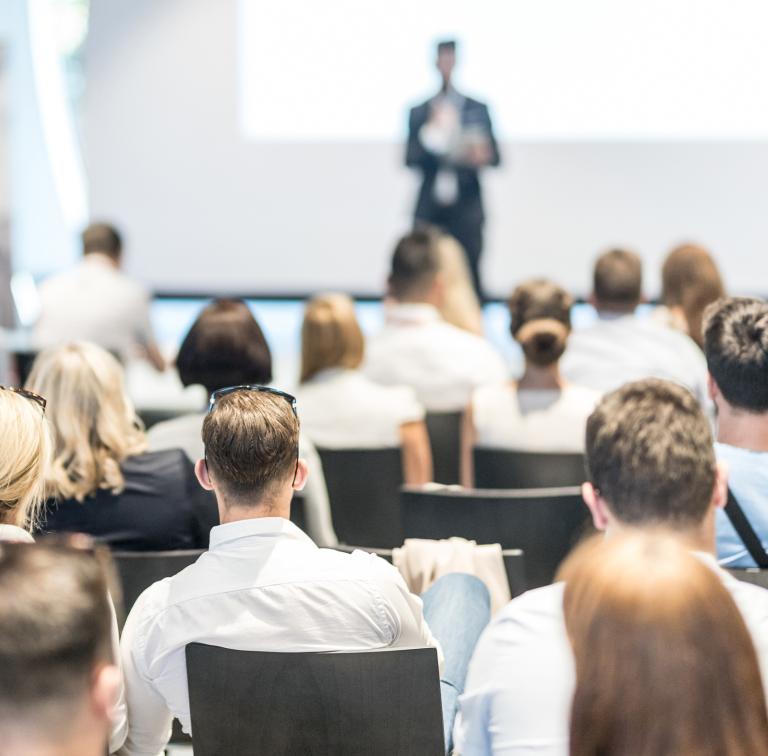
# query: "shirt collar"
15,534
256,527
99,260
412,313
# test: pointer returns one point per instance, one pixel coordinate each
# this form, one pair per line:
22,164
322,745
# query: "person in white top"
621,347
343,409
263,585
541,412
651,467
416,347
96,301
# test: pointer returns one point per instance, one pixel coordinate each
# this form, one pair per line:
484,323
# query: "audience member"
417,347
97,302
264,585
541,411
736,347
460,306
651,466
226,347
623,347
102,481
59,681
343,409
664,661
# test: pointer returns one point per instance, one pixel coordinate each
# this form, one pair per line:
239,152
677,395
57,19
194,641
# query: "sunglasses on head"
216,395
41,401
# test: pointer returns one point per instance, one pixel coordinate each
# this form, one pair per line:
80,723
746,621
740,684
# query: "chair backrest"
505,468
314,704
751,575
444,430
544,523
363,487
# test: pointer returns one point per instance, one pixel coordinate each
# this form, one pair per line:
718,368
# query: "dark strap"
746,532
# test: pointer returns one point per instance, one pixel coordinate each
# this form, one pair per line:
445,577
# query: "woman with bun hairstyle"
541,411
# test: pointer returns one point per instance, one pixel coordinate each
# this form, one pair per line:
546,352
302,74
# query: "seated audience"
264,585
542,411
102,481
622,347
417,348
690,282
651,467
736,347
59,680
664,661
343,409
226,347
97,302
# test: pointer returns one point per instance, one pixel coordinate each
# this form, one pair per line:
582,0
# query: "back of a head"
415,266
540,320
104,239
330,335
94,425
618,281
54,635
664,661
251,443
650,454
736,348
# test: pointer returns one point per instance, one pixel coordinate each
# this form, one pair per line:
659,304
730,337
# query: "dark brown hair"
415,263
540,320
618,280
101,237
650,454
224,347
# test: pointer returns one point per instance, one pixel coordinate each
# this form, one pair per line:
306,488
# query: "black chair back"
544,523
444,430
504,468
751,575
312,704
363,488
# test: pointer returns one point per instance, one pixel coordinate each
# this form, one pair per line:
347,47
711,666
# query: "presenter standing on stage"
449,139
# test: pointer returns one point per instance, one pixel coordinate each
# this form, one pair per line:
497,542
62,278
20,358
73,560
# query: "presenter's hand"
478,154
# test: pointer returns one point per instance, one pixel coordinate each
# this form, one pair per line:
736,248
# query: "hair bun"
543,340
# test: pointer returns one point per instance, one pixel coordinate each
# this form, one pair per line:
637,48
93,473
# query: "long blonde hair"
94,424
460,306
25,453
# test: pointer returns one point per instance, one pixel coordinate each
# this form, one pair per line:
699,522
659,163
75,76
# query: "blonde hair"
460,306
330,335
25,453
94,424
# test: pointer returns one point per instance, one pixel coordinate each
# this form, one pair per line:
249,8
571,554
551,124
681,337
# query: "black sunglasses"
216,395
41,401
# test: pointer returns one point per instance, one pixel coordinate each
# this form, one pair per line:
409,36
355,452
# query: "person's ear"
720,490
302,472
105,685
202,474
713,390
596,506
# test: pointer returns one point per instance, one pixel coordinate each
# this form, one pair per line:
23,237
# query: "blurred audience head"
25,453
103,239
736,348
540,320
664,661
94,424
617,281
224,347
415,273
446,59
58,684
650,460
330,336
690,281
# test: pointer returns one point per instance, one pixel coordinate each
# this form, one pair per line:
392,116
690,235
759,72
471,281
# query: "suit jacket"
469,202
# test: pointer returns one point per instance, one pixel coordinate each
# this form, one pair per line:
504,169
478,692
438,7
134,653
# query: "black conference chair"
363,488
544,523
384,703
444,429
751,575
505,468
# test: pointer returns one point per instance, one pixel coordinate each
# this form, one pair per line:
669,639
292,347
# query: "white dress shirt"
262,586
343,409
517,697
442,363
94,301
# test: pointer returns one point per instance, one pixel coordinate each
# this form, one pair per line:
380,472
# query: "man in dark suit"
449,139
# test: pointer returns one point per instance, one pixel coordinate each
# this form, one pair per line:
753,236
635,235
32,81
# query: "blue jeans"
457,608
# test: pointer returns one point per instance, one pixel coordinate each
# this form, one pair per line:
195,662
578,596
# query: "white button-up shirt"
520,684
262,586
442,363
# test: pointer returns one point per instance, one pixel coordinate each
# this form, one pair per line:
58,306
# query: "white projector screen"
256,147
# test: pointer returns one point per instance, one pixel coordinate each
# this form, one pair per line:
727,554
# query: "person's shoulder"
163,463
582,395
360,565
752,600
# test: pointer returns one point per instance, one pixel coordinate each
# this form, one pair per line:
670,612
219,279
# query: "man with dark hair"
736,348
651,467
95,301
263,584
58,680
449,139
417,347
622,346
